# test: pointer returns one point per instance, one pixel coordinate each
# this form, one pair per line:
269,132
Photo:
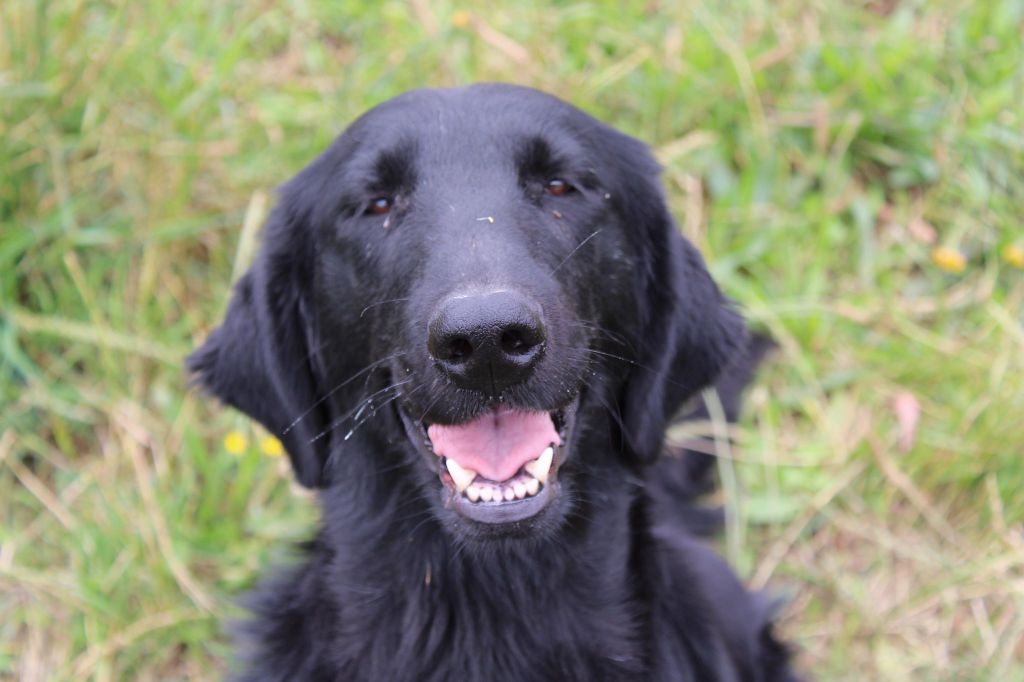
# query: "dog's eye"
558,187
380,206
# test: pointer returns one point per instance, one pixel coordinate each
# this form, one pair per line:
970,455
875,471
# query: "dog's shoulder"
733,638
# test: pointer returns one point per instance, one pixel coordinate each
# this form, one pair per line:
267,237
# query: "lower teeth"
519,488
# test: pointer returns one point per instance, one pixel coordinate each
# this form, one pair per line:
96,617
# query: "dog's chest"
492,632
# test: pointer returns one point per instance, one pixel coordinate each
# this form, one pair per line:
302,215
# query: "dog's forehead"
477,122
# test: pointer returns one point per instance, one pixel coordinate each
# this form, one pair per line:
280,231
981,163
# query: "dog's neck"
393,564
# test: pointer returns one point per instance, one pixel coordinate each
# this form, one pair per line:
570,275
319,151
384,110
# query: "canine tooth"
509,494
532,486
520,489
486,492
540,467
461,477
473,493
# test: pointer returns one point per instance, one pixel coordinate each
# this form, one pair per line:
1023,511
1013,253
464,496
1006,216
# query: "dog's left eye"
380,206
557,187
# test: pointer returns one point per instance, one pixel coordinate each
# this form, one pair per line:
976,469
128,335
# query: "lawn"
853,171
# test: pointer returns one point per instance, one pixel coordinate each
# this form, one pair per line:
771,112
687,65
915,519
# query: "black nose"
487,341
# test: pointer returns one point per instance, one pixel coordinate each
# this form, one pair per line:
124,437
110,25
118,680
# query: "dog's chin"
526,503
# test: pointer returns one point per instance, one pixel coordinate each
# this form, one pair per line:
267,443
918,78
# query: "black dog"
470,322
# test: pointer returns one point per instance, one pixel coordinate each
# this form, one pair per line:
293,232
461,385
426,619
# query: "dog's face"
475,290
488,259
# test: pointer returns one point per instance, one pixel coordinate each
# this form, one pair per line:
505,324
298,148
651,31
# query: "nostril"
459,349
516,341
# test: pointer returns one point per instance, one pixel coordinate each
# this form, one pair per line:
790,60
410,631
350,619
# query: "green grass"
816,152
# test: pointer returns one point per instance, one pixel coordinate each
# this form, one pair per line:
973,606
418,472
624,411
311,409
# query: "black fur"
324,343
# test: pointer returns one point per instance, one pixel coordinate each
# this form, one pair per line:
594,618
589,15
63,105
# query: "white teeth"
517,488
461,477
540,467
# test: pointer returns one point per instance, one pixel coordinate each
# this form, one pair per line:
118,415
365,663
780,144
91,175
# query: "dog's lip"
498,512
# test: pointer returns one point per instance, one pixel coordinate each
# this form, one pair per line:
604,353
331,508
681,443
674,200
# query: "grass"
817,151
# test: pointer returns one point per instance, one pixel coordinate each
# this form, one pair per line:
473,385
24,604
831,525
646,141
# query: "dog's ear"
691,335
261,360
689,331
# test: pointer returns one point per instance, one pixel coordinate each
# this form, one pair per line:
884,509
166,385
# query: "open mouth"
502,466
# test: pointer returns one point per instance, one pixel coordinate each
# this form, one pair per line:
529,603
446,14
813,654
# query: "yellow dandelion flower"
461,18
1014,255
949,259
235,443
271,447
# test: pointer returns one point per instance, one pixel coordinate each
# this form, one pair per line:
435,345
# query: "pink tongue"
496,444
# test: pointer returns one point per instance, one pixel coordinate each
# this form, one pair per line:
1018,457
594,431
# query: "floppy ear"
689,331
691,336
261,360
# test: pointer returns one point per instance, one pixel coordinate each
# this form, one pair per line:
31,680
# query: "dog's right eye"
557,187
379,206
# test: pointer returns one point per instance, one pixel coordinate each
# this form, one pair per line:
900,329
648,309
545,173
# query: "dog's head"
473,290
